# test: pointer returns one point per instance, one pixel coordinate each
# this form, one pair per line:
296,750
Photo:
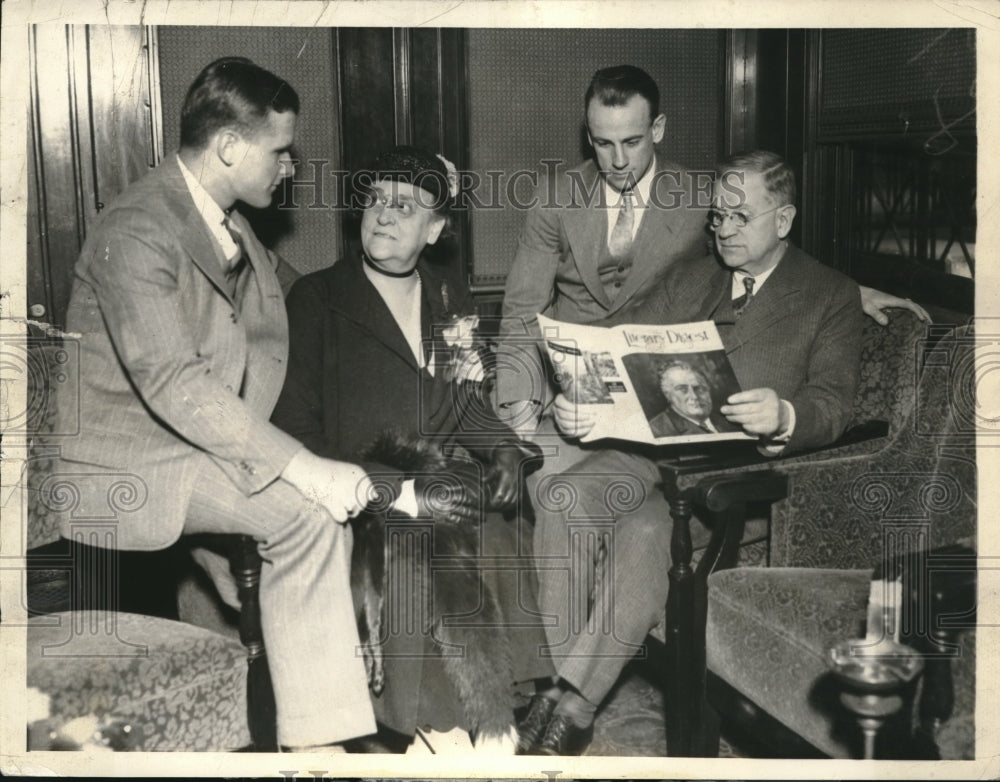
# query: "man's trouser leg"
611,499
319,679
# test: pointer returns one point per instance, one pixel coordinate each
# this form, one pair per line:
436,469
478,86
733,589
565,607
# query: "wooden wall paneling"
786,70
811,198
92,131
771,75
402,84
39,286
740,91
366,76
424,88
455,141
437,110
367,92
121,122
437,91
157,147
56,208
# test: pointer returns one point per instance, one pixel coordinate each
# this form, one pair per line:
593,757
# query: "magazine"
650,384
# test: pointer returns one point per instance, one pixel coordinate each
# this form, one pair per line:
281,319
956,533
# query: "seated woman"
370,355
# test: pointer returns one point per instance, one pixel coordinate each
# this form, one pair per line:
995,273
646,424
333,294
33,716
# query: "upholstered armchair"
100,638
768,629
721,503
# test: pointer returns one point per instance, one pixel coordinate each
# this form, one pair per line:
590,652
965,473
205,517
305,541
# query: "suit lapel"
363,306
201,246
586,231
433,315
779,298
656,232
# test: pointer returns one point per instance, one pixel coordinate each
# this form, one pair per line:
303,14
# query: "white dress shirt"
210,212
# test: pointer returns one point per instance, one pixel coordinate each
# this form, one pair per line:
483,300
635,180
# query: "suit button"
621,268
232,317
229,388
618,284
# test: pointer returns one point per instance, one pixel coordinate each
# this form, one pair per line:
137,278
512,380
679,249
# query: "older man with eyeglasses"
792,331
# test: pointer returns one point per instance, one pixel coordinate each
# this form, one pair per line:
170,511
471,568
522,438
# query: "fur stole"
477,657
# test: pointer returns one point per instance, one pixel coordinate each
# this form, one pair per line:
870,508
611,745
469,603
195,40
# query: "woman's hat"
416,167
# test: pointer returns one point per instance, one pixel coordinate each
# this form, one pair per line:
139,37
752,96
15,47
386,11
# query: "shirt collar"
204,203
612,197
210,211
758,280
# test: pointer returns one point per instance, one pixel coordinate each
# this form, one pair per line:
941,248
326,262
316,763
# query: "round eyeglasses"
402,207
716,217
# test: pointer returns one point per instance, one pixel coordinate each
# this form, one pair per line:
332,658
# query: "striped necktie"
740,302
236,263
621,234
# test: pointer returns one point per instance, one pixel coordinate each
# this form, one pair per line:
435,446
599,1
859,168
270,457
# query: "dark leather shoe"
562,737
531,729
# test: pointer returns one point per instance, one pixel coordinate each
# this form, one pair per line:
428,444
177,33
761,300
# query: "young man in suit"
183,352
598,234
791,328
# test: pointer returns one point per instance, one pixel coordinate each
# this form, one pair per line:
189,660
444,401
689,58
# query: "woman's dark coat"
351,377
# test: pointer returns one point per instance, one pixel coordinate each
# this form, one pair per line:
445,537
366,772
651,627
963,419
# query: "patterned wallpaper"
308,238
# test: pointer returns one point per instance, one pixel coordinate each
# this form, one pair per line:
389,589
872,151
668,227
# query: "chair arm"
691,467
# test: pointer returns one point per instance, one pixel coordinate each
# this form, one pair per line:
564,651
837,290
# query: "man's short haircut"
779,179
616,85
232,92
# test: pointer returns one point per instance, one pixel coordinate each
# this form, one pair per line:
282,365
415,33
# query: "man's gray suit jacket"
173,371
800,335
555,270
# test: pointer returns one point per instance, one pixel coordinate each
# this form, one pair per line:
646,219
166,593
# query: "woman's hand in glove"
503,478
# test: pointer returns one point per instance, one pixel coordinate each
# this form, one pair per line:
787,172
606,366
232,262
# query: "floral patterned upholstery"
768,627
180,687
185,692
46,360
920,489
890,366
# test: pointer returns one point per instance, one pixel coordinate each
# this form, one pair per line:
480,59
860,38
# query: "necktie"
740,302
621,234
236,263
